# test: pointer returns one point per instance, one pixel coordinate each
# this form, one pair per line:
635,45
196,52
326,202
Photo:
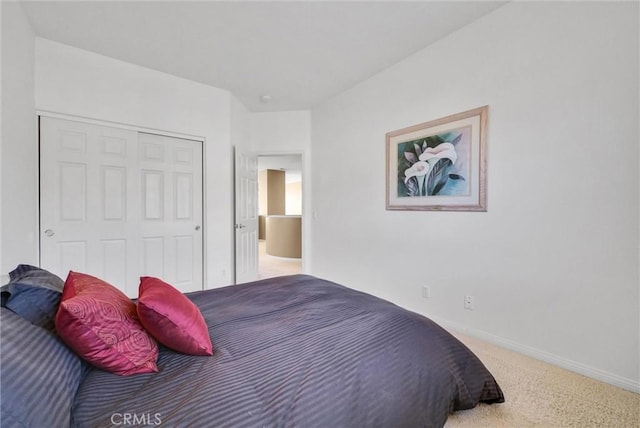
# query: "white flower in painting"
418,169
441,151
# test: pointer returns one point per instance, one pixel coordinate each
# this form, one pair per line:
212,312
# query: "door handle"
239,226
197,227
49,233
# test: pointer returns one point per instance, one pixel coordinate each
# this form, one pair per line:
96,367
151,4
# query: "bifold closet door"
100,190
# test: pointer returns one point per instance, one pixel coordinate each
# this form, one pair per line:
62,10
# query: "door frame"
305,190
136,128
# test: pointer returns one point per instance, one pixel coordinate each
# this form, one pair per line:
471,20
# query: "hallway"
270,266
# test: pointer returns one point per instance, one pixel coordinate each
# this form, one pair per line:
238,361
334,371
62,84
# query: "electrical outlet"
426,292
468,302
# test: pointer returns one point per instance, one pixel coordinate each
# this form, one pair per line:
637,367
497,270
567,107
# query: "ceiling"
299,53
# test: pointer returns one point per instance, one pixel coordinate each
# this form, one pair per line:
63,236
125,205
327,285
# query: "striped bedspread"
297,351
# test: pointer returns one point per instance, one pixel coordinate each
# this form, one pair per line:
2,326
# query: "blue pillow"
34,294
40,375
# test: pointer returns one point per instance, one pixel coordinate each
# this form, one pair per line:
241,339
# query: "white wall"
240,138
76,82
285,131
240,123
3,277
553,264
19,161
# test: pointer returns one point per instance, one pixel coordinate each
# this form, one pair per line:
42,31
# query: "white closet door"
171,202
88,203
97,190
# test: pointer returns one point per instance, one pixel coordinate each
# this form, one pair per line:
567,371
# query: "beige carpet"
270,266
538,394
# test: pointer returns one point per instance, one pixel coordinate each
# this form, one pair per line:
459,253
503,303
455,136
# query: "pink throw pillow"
100,323
171,318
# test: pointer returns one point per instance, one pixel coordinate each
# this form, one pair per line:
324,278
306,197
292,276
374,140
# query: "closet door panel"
87,186
171,177
119,204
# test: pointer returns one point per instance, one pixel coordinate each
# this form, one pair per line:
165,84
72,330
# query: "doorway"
279,215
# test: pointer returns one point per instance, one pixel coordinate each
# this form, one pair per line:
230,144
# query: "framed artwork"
439,165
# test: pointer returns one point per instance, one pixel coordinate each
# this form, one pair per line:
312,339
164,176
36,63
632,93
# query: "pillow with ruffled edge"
171,318
34,294
100,323
40,375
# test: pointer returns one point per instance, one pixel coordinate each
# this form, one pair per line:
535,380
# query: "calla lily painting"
431,165
439,165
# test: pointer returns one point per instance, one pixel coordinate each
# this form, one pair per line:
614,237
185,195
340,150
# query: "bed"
294,351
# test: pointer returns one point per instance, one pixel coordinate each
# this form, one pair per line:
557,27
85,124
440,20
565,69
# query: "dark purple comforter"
298,351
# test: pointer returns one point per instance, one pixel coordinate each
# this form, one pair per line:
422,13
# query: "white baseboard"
583,369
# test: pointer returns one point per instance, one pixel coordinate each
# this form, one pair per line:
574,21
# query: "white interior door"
171,210
88,206
246,216
118,204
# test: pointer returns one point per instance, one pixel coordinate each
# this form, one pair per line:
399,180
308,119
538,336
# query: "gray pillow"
34,294
40,375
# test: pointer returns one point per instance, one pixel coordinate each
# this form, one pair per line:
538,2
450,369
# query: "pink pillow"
100,323
173,319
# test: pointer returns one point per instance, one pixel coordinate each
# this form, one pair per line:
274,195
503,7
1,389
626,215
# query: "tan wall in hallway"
271,192
271,197
285,236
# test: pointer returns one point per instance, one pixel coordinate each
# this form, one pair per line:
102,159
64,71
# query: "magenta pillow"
173,319
100,323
